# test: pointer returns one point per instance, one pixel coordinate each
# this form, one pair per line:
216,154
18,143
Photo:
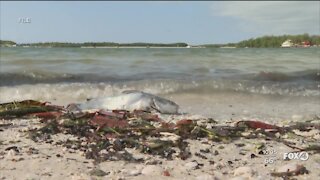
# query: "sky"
155,22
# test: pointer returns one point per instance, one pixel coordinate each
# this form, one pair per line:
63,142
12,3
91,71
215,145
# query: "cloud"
272,17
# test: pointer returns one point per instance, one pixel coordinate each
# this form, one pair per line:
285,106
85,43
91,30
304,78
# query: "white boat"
288,43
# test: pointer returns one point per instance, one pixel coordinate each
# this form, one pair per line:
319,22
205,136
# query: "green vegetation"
276,41
6,43
271,41
51,44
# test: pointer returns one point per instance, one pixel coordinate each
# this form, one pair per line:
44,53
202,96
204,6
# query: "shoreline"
106,47
142,47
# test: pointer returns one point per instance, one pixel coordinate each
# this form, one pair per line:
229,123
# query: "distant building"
288,43
306,44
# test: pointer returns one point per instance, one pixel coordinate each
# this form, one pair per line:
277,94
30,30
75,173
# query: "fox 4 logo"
303,156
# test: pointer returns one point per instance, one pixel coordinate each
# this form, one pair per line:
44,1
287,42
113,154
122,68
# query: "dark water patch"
307,75
44,62
10,79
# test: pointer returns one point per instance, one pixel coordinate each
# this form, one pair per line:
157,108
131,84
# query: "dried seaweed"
107,134
22,108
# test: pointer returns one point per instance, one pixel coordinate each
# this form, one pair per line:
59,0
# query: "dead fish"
132,100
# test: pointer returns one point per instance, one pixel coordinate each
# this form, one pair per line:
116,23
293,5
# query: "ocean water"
66,75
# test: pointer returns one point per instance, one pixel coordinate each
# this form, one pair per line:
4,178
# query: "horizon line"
196,44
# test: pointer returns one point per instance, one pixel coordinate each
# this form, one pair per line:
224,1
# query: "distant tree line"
276,41
260,42
6,43
271,41
103,44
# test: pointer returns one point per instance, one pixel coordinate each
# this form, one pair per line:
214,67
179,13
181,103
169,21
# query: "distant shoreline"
302,40
138,47
108,47
144,47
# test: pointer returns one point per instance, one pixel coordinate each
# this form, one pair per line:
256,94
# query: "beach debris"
291,169
253,156
4,125
98,172
14,104
257,125
166,173
132,100
47,115
103,120
114,134
32,150
206,150
26,107
14,148
305,126
200,155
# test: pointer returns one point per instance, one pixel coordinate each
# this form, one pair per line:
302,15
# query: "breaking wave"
35,77
79,91
309,75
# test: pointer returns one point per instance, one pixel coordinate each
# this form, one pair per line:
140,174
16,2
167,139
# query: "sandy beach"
243,158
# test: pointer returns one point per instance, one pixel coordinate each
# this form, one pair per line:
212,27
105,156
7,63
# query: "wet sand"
225,106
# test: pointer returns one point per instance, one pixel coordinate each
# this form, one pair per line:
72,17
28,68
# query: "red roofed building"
306,44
